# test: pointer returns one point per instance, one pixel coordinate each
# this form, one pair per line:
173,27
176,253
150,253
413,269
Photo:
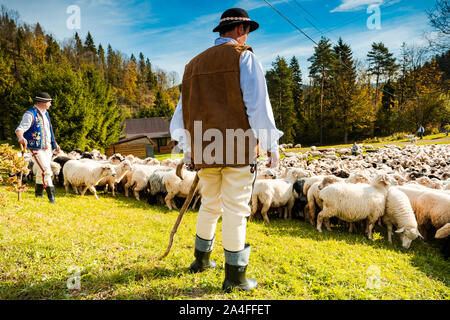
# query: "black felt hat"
43,97
235,16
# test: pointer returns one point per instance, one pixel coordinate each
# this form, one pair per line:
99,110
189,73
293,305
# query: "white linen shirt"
256,100
27,121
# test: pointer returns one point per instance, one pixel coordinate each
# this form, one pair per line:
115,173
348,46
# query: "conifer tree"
381,64
322,64
280,82
89,45
344,87
297,96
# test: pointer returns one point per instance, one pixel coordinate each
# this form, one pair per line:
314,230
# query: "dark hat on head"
235,16
43,97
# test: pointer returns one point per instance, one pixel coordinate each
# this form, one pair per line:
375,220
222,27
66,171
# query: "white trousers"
43,157
226,193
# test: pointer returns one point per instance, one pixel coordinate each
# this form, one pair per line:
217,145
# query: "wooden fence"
137,150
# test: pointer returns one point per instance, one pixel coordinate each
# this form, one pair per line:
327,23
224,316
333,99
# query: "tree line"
93,89
347,100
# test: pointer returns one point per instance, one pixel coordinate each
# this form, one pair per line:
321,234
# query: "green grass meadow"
115,244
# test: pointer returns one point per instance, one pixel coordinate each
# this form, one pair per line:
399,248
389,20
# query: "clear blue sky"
171,32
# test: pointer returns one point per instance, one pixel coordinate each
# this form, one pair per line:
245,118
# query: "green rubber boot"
202,253
51,194
39,191
235,268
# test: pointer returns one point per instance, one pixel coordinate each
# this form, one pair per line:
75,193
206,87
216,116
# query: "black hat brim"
253,25
39,99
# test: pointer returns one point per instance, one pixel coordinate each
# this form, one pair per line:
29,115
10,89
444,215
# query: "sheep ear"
400,230
419,235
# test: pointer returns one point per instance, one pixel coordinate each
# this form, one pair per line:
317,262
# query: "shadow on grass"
424,255
104,286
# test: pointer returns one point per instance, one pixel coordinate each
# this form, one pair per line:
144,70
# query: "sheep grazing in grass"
431,207
85,175
275,193
139,178
400,214
314,200
355,202
121,170
176,186
155,185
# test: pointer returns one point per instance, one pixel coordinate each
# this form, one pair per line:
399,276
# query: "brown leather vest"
214,112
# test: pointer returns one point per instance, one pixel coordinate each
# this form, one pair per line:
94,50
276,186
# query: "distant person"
36,133
421,131
355,149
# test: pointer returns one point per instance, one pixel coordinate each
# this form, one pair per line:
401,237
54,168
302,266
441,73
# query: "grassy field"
115,243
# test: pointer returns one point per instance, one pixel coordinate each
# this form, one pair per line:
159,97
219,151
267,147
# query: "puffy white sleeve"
177,131
27,121
256,99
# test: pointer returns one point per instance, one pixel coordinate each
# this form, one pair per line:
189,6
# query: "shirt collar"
41,112
222,40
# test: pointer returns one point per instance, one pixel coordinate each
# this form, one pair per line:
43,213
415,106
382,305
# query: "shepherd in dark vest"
36,133
222,119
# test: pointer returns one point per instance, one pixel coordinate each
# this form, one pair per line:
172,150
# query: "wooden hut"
143,138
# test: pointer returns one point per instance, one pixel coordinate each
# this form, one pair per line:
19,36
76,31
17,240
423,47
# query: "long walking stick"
23,149
182,211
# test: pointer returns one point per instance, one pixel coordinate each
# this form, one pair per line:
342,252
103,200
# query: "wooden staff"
183,209
23,149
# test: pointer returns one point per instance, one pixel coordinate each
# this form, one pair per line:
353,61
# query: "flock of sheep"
403,187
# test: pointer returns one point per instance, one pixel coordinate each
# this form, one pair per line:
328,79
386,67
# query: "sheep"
138,178
155,183
444,233
400,213
78,174
313,195
121,170
266,174
275,193
355,202
176,186
62,160
431,207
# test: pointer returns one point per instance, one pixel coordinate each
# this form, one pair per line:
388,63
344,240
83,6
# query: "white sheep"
315,201
176,186
443,232
121,170
155,183
275,193
355,202
431,207
81,174
138,178
400,214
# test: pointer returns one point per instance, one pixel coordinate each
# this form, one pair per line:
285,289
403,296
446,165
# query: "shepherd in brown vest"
223,117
